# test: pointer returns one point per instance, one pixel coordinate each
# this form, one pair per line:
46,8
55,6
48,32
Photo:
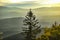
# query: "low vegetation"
52,33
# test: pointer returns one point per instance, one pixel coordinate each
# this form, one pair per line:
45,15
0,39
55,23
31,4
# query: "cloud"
24,5
31,3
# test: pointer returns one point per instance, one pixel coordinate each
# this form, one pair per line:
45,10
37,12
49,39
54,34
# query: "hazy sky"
30,3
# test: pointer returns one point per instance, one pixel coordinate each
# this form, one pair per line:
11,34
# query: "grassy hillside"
11,26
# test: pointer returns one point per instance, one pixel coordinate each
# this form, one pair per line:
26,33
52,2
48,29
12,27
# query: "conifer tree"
32,27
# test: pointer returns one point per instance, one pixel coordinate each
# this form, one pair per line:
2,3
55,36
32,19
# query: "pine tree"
32,28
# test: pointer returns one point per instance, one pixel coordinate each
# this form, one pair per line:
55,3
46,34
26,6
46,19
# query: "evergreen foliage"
51,33
32,27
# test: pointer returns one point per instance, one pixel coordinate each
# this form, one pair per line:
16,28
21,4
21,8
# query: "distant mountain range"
10,7
48,8
11,12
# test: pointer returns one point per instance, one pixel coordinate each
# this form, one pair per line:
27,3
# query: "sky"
30,3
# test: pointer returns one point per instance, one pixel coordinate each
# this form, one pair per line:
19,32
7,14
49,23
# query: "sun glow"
14,1
51,2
